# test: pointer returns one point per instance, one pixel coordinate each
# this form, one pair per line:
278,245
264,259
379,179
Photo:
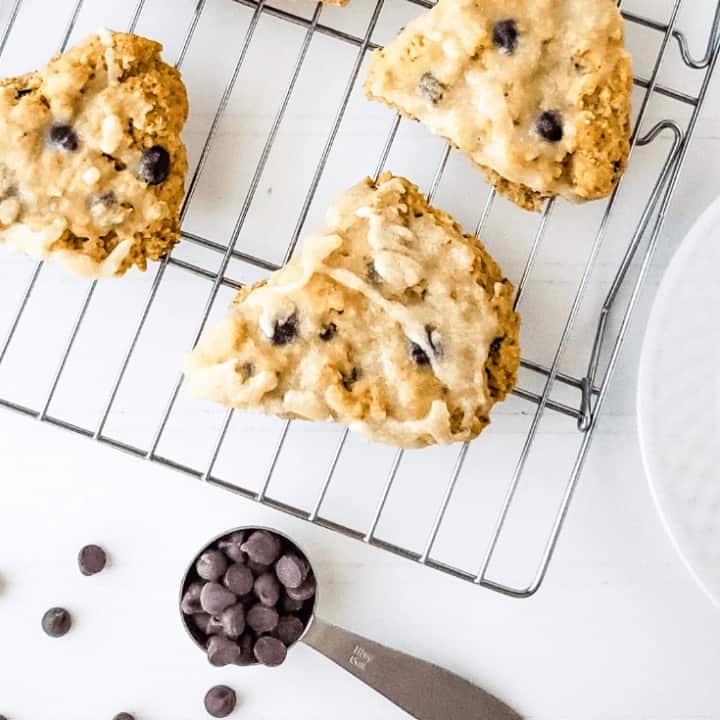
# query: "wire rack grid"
545,386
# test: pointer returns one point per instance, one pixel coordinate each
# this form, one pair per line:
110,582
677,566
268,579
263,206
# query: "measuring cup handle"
422,689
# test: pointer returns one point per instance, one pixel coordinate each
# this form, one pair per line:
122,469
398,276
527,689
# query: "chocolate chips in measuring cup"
248,598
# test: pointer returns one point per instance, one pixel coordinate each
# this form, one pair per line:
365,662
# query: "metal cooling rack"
589,390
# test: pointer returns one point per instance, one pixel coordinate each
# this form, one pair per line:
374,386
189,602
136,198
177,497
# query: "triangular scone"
390,320
535,92
92,166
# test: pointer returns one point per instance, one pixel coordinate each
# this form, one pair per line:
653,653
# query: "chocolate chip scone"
92,165
535,92
390,320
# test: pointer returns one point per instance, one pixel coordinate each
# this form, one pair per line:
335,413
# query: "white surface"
679,421
619,630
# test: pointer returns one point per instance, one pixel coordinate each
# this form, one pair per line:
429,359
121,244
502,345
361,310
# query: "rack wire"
586,392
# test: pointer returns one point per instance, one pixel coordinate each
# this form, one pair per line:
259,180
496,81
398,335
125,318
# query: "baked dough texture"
535,92
389,320
92,165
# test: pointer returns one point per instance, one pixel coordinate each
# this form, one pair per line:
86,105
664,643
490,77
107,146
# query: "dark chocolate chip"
304,592
289,605
372,274
22,93
124,716
505,36
267,589
247,657
63,137
239,579
211,565
349,379
262,619
91,559
231,546
549,125
289,629
190,603
270,651
233,621
285,332
495,344
155,165
418,355
222,651
262,547
248,370
220,701
328,332
56,622
292,570
435,340
431,88
214,598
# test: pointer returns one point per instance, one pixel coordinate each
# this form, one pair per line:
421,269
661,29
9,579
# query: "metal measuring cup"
424,690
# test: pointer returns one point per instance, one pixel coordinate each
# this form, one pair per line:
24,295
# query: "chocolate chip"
231,546
214,598
124,716
289,605
190,603
418,355
91,559
328,332
291,570
107,199
372,274
304,592
62,137
495,344
232,621
262,619
56,622
431,88
286,331
289,629
211,565
349,379
505,36
155,165
247,656
239,579
220,701
435,340
262,547
270,651
267,589
22,93
222,651
549,125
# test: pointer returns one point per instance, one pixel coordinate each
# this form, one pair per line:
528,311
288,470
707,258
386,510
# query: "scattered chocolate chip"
247,370
304,592
231,546
289,629
247,657
233,621
62,137
239,579
155,165
220,701
495,344
262,547
285,332
505,36
56,622
214,598
190,603
431,88
418,355
435,340
91,559
222,651
291,570
267,589
328,332
22,93
124,716
270,651
262,619
107,199
372,274
349,379
289,605
211,565
549,125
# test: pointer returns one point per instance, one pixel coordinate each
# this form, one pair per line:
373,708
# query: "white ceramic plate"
679,401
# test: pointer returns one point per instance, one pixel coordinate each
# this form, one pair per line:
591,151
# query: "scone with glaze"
535,92
92,165
389,320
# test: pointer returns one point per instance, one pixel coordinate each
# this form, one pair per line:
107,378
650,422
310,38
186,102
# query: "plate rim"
710,217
